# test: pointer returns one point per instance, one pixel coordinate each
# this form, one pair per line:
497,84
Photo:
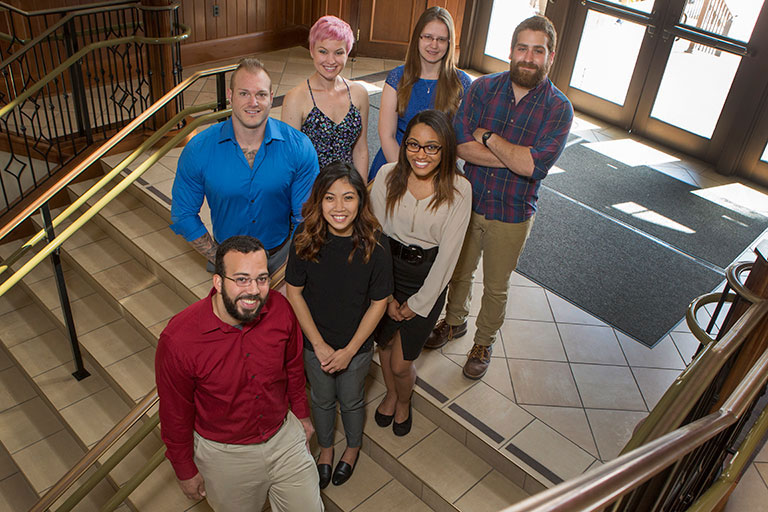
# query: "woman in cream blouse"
423,204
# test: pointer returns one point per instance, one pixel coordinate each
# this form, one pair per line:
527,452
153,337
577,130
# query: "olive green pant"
500,244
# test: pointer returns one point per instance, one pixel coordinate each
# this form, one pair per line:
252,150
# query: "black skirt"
409,278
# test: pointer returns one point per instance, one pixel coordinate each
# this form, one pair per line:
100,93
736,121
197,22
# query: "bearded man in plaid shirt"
511,128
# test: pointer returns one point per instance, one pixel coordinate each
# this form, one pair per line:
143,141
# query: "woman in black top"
339,277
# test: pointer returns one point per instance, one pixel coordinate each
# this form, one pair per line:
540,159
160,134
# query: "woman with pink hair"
331,111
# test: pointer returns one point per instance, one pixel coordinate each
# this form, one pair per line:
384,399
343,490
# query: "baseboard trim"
242,45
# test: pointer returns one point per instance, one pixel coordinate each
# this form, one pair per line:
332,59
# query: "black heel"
383,420
401,429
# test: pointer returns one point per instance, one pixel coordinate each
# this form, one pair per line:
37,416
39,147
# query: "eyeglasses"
429,38
430,149
243,281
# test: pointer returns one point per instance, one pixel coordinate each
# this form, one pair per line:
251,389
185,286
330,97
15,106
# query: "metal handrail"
56,10
90,458
600,486
96,155
61,68
85,10
80,201
63,21
682,395
115,434
107,146
735,468
101,203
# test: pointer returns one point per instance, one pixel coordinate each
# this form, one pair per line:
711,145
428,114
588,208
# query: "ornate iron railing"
77,82
18,27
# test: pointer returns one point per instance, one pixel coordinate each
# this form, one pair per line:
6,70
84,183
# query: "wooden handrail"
600,486
80,201
56,10
90,458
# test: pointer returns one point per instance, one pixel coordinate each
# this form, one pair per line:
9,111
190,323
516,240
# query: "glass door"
676,71
495,21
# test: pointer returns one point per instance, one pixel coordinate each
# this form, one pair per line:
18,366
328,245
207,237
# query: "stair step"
42,428
135,263
146,236
382,450
469,421
16,493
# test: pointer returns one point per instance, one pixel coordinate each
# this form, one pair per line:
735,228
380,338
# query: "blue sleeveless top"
422,98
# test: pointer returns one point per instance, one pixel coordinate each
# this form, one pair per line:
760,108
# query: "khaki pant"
500,244
238,478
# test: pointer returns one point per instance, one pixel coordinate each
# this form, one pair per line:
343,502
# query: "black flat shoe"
383,420
401,429
344,471
324,470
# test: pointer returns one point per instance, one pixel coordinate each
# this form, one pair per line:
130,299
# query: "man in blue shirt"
255,173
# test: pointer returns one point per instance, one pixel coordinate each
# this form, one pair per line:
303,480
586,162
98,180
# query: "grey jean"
348,387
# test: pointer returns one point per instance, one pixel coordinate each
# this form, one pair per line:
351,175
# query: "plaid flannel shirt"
540,121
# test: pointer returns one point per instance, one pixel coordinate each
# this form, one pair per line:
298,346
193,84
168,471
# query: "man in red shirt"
233,411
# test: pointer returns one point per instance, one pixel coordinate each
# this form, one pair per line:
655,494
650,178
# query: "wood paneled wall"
242,27
241,17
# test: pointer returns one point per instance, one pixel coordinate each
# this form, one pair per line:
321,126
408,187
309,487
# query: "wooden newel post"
157,23
757,342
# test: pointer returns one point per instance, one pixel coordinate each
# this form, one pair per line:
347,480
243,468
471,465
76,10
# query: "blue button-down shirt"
262,201
540,121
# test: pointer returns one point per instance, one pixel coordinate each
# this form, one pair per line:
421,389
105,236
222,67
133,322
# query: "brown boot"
443,333
477,361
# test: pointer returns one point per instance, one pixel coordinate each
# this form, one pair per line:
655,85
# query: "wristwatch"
486,136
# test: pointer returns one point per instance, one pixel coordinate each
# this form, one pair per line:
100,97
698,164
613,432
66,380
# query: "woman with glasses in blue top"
428,80
423,204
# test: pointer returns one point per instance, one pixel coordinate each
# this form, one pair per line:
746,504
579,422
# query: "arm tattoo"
205,246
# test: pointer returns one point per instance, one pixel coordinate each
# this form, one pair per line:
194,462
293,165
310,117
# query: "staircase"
127,275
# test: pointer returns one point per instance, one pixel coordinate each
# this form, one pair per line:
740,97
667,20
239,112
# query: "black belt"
274,250
412,254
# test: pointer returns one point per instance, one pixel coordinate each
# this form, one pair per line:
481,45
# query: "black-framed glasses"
243,281
429,38
413,147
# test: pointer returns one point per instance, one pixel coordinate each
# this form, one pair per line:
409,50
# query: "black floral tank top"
332,141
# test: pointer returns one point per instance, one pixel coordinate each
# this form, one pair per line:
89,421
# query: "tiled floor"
563,392
559,376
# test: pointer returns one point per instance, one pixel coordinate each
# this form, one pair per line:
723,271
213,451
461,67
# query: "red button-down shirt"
230,385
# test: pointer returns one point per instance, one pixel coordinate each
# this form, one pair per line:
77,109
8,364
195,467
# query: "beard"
527,80
242,316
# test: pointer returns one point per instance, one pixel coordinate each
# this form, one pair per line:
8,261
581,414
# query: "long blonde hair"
449,88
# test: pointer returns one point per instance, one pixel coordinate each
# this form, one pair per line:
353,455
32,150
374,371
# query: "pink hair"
332,28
